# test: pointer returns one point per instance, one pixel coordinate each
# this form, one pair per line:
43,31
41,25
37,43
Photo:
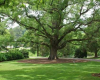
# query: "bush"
2,57
14,54
9,56
60,54
80,53
25,53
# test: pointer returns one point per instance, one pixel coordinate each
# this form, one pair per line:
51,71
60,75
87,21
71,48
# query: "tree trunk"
37,50
96,55
53,53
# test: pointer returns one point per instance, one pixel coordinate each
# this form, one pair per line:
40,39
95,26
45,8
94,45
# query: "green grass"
93,57
12,70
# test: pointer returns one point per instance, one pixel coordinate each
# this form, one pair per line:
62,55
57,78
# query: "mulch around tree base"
96,74
46,61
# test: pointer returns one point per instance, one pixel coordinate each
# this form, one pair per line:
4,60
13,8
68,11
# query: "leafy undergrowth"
12,70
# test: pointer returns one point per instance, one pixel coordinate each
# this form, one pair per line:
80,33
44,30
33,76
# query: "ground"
46,61
96,74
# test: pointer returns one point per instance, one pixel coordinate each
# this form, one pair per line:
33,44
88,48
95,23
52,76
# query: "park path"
97,60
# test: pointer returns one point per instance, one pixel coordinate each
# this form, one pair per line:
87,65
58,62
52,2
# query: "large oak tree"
57,21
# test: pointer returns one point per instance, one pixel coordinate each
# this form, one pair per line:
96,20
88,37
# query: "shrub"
13,55
80,53
60,54
2,57
25,53
9,56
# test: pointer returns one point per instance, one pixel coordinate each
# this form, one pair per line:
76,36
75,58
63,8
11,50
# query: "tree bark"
53,53
37,50
96,55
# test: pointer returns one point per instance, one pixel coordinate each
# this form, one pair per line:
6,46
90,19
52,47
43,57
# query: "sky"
13,25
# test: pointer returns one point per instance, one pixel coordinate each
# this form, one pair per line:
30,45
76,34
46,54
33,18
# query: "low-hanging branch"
84,39
41,43
67,32
65,42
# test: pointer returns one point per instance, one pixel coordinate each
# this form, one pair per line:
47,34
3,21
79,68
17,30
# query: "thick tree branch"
84,39
26,26
65,42
84,12
77,39
42,43
67,32
20,23
81,9
38,21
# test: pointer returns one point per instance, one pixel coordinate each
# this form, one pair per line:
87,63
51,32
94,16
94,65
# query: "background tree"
17,32
5,36
93,44
67,51
94,47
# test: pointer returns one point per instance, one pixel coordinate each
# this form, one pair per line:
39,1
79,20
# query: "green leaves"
45,18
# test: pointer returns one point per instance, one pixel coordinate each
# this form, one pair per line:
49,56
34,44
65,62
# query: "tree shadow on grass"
70,71
44,73
33,74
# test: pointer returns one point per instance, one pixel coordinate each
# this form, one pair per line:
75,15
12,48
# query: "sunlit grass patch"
12,70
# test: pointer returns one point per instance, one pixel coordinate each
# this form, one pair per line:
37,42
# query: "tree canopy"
58,22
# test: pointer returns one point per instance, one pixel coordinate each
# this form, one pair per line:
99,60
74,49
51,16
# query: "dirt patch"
46,61
96,74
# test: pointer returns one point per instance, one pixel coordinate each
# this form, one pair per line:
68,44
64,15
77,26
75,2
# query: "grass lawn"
94,58
12,70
